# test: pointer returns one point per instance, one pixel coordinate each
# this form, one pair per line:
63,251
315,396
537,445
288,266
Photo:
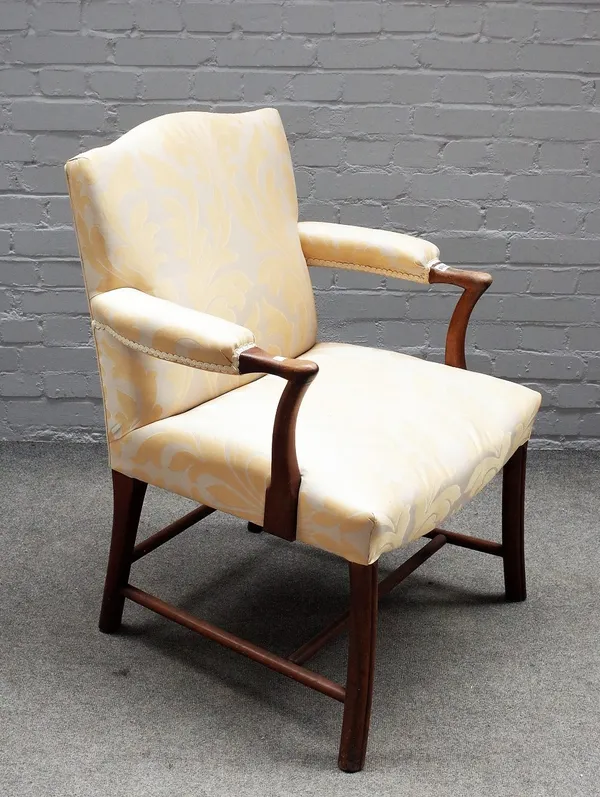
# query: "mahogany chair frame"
281,504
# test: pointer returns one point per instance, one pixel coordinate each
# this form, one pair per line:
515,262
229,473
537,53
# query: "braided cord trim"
176,358
386,272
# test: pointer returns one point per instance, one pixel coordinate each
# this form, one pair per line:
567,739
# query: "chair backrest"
200,209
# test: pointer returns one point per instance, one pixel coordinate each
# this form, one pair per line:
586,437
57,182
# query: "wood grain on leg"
361,664
128,497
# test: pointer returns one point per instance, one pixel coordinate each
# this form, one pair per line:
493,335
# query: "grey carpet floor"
473,696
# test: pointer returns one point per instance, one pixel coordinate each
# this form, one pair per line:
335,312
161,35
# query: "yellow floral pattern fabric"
169,331
391,254
388,446
191,250
199,209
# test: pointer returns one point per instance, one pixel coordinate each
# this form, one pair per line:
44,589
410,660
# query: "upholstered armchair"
215,388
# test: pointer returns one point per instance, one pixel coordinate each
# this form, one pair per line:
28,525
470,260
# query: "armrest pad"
361,249
169,331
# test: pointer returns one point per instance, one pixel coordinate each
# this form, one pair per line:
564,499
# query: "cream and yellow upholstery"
388,446
192,252
169,331
198,209
358,249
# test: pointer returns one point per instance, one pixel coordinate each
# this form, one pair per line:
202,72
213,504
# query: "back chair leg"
361,664
128,497
513,512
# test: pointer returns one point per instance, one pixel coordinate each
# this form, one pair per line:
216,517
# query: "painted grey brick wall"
476,124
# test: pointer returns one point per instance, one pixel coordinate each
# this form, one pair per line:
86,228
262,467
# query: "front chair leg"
513,515
362,629
128,497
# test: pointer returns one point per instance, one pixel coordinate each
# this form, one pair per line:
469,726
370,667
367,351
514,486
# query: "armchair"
215,388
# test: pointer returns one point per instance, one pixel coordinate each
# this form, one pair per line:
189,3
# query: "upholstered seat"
215,387
388,446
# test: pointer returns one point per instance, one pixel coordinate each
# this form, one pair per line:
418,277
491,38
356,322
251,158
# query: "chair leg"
513,511
361,664
128,495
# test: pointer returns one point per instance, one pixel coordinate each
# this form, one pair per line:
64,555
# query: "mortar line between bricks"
440,175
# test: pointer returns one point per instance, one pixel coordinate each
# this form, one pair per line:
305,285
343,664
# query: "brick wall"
476,124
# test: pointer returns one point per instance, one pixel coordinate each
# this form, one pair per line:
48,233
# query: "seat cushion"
388,445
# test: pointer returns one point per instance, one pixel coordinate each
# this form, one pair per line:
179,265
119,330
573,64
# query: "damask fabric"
360,249
169,331
388,446
199,209
191,250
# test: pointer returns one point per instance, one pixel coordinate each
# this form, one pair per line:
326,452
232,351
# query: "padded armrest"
362,249
169,331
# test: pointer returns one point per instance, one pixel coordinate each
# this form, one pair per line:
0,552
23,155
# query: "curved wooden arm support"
281,500
475,284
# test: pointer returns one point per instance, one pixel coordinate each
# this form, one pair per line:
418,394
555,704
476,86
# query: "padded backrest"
201,209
